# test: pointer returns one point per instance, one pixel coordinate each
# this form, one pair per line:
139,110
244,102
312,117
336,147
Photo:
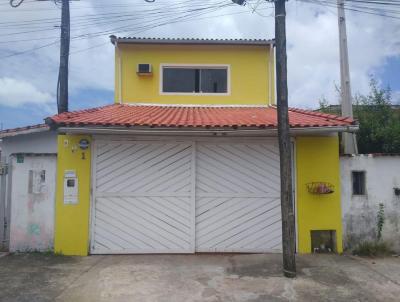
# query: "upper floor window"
195,79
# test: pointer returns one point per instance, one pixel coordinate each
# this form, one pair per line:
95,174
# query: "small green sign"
20,158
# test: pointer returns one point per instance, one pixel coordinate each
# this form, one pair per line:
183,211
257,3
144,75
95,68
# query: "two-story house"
186,160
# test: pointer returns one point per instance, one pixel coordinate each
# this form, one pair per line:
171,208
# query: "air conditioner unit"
144,69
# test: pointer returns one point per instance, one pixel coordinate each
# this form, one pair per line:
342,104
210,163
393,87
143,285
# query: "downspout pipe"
119,72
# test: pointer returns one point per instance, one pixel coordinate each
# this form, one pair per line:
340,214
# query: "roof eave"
119,40
6,134
240,131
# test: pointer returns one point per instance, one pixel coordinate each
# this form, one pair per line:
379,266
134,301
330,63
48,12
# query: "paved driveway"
186,278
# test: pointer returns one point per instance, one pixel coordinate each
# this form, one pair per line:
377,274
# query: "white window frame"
200,66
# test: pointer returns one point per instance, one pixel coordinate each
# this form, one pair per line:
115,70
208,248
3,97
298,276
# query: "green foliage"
372,248
380,220
376,247
379,124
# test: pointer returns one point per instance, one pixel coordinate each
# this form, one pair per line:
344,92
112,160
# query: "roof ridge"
86,110
177,40
194,38
194,105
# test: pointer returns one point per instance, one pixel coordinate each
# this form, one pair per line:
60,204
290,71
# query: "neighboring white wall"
360,212
34,143
32,202
41,142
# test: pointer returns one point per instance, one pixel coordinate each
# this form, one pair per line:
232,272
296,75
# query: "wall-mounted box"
70,187
144,69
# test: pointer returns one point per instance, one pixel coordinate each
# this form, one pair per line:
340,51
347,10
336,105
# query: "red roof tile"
24,130
194,116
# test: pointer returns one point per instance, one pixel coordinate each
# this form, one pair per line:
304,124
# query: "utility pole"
349,141
285,148
62,81
62,84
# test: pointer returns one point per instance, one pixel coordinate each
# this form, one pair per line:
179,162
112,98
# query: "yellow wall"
72,221
317,159
249,73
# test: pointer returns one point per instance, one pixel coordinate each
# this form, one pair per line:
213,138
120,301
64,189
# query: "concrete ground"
187,278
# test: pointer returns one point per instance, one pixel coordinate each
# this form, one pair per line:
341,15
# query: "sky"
29,47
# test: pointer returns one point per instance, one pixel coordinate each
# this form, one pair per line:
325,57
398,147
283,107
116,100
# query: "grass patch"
372,249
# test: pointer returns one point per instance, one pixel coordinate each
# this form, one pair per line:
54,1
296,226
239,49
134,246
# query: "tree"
379,122
378,119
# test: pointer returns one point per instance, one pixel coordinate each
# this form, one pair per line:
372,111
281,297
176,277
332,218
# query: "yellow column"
72,220
317,160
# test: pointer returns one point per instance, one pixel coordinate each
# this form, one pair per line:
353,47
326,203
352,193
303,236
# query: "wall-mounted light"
84,144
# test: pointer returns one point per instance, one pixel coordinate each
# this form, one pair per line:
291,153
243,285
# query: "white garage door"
174,197
143,198
237,197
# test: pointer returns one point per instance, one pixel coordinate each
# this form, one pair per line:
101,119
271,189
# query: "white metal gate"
238,197
143,198
182,197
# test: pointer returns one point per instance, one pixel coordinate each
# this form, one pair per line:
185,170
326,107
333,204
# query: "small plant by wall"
372,249
380,221
377,247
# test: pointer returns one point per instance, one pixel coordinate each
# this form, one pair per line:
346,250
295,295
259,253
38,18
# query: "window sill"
195,94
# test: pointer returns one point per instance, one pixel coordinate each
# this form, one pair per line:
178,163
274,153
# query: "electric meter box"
70,187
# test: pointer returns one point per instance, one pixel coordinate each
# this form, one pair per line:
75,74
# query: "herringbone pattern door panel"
143,199
176,197
237,197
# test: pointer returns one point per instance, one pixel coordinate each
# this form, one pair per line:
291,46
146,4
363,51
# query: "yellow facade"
251,73
251,83
72,220
317,160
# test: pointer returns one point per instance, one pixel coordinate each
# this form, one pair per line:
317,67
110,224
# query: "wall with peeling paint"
32,143
382,175
33,181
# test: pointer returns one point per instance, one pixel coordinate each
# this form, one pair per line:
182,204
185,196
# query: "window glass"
213,80
358,179
179,80
195,80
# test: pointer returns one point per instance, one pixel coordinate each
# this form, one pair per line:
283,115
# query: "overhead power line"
147,18
355,8
155,22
